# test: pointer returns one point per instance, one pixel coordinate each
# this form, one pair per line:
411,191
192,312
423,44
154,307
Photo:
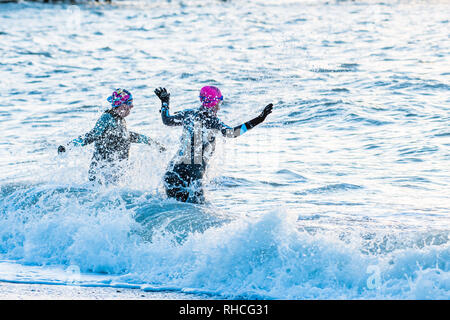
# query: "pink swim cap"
209,96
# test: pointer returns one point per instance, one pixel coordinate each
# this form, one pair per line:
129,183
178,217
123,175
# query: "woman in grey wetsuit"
111,139
183,179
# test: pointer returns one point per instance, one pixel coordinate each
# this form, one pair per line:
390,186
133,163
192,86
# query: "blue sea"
342,193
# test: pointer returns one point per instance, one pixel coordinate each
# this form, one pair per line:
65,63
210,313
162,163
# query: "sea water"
342,193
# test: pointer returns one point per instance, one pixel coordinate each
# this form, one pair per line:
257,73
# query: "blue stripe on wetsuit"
243,129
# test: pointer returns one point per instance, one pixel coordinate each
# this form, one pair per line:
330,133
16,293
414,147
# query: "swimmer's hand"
267,110
163,95
61,149
162,149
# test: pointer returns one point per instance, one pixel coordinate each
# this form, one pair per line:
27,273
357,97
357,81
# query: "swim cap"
119,97
209,96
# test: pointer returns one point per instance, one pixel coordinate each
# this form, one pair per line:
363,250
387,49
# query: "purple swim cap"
209,96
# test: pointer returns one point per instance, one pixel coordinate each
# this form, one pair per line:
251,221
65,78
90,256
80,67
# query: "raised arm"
171,120
167,119
235,132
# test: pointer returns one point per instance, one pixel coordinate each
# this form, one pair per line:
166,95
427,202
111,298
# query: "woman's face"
216,107
124,109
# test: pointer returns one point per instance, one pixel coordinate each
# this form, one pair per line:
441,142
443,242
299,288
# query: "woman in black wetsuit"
111,139
183,179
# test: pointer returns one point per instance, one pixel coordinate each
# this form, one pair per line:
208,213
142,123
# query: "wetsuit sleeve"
140,138
174,120
100,127
235,132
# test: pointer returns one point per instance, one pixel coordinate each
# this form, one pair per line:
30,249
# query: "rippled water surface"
342,193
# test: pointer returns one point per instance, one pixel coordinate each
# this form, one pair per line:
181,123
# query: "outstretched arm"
105,120
167,119
140,138
243,128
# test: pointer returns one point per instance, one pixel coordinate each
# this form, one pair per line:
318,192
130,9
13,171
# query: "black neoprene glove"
61,149
267,110
163,95
259,119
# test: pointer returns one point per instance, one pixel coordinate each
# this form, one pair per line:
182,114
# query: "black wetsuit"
112,143
183,179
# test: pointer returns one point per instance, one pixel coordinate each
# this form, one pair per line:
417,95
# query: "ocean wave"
163,244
